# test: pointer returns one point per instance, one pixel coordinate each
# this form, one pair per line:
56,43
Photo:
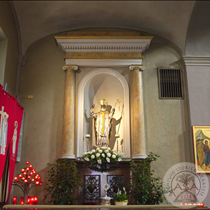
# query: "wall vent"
170,83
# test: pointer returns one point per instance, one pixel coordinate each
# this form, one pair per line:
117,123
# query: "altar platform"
96,207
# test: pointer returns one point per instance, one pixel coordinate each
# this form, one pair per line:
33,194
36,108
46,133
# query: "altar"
103,106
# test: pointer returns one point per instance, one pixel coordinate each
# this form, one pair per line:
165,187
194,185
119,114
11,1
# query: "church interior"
77,66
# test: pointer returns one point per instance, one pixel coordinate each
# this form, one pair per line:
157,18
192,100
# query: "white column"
138,125
69,113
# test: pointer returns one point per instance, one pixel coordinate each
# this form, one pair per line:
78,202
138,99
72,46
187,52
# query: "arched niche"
103,83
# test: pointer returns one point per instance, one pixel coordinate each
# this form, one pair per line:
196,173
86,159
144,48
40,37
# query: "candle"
15,200
21,200
35,200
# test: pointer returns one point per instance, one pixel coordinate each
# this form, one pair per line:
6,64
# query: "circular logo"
183,185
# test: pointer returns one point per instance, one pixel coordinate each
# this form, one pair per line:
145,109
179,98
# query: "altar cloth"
99,207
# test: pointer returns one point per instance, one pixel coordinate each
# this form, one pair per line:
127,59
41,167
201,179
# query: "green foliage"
146,189
121,196
63,178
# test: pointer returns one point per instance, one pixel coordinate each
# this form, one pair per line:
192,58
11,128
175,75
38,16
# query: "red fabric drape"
14,111
17,120
4,100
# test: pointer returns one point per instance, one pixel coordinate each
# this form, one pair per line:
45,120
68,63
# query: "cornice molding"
68,156
139,156
103,37
196,61
103,45
103,62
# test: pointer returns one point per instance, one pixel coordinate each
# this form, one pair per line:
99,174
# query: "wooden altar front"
92,182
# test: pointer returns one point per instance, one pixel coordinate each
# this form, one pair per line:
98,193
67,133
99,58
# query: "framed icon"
201,143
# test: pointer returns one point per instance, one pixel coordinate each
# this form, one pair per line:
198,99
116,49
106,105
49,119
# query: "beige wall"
43,78
7,23
167,129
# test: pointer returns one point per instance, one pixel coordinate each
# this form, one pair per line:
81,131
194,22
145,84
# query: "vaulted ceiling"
40,19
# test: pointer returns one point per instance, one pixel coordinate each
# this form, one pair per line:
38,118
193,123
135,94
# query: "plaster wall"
7,24
198,78
3,53
197,42
43,77
198,85
168,19
167,127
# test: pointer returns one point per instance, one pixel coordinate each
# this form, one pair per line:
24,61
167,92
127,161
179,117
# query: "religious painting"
201,142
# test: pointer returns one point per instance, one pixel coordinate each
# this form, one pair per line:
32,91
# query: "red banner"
4,117
11,114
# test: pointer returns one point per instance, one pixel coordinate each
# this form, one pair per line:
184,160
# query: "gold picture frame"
201,144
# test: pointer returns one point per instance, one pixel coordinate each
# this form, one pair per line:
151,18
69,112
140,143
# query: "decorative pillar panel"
103,50
69,115
138,138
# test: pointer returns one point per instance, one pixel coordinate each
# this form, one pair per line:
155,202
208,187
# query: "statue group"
102,122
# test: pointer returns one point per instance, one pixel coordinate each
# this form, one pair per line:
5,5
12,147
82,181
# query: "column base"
139,156
67,156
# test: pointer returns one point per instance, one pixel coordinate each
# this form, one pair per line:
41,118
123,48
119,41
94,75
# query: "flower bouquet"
102,159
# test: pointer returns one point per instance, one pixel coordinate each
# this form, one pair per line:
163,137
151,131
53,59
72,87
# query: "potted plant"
63,178
146,189
102,159
121,197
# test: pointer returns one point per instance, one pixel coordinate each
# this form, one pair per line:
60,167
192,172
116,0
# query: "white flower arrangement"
101,155
108,154
108,160
87,159
113,156
99,161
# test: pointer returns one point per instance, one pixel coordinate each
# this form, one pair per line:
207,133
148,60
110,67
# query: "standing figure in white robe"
3,135
14,139
102,123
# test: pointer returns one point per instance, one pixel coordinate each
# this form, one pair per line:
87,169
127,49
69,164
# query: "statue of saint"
102,123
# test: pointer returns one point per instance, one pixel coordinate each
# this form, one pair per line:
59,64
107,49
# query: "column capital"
136,67
73,67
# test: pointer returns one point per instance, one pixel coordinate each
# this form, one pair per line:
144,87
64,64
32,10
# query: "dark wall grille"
170,83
